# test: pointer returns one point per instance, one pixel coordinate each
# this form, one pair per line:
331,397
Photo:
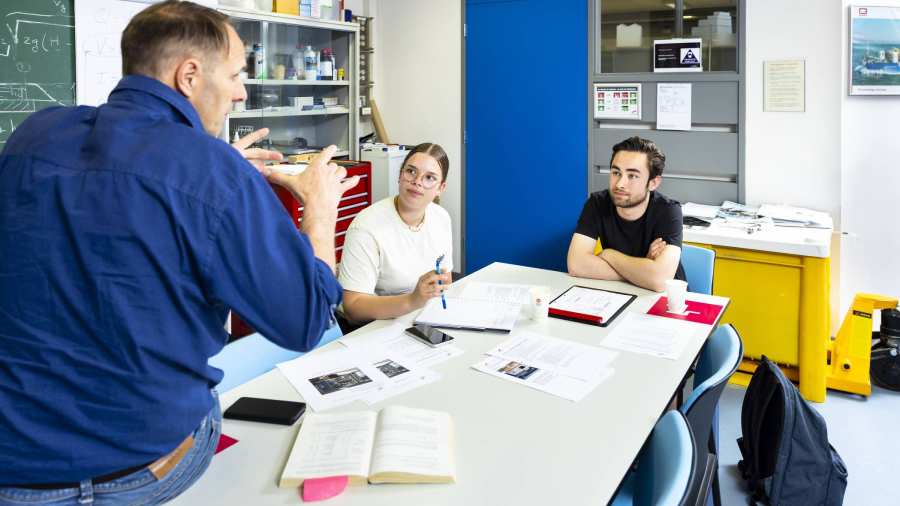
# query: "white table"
514,445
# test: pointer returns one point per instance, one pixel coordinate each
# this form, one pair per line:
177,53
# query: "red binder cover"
697,312
572,315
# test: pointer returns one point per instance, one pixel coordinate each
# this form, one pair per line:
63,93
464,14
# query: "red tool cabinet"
352,203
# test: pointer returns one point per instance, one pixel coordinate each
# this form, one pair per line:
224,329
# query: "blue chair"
254,355
718,360
665,467
698,268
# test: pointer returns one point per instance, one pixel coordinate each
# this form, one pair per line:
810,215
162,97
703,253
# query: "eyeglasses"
411,175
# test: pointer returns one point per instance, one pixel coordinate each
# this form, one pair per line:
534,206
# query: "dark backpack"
787,457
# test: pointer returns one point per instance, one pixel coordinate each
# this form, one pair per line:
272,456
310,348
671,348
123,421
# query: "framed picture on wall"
874,50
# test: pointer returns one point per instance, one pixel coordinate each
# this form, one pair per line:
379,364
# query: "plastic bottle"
297,61
310,64
259,54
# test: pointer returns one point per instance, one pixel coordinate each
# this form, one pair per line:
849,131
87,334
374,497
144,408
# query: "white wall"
870,186
795,158
418,84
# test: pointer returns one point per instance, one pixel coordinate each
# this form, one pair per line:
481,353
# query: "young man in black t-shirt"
639,229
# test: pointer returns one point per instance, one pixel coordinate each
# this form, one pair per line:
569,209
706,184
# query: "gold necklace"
413,228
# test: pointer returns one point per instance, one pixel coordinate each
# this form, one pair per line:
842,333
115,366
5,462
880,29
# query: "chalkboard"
37,59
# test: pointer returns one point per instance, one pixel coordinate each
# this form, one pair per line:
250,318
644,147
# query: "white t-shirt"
382,256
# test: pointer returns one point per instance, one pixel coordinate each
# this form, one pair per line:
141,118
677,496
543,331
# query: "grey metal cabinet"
705,163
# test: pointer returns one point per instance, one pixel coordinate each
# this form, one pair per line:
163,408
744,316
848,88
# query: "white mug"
676,290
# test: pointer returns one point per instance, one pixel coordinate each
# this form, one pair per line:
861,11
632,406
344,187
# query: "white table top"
514,445
809,242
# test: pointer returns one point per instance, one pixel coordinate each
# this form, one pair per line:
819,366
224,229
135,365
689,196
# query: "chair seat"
254,355
665,466
625,495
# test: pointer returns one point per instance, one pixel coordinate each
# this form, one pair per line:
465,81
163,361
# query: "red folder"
698,312
572,315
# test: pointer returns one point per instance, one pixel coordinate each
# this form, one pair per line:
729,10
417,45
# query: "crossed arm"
650,272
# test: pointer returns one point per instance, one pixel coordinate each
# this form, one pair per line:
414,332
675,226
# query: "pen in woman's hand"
437,269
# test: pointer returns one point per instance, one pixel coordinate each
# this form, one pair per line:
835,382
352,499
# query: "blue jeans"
140,487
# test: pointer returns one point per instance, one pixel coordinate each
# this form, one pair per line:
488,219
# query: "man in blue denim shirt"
127,232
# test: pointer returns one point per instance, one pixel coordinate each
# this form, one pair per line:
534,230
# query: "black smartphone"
254,409
429,335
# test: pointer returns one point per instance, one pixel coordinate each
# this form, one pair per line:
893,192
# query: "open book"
397,445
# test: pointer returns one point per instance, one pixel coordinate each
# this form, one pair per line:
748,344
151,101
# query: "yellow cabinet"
779,301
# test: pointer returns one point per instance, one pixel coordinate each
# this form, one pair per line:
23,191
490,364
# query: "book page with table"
511,444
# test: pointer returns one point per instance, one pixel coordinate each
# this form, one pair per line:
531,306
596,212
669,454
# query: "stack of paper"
369,368
563,368
652,335
743,217
497,292
699,210
470,314
789,216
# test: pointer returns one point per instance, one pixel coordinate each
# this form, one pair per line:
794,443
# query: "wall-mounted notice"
673,106
784,86
617,101
678,55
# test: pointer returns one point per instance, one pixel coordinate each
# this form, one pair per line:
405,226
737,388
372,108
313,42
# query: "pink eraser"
319,489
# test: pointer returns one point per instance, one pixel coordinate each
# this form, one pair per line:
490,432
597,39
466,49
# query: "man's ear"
187,77
653,184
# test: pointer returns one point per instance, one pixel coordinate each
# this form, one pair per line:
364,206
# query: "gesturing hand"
257,156
320,185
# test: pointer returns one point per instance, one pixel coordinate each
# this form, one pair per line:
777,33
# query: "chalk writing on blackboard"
36,61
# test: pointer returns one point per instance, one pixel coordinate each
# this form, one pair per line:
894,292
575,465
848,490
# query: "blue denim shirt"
126,234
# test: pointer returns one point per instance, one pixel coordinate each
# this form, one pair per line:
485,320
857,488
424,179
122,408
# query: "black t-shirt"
599,219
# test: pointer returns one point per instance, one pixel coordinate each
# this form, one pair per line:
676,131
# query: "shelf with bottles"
294,82
275,112
296,52
302,80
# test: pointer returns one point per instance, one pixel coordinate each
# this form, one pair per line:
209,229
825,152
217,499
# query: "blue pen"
437,269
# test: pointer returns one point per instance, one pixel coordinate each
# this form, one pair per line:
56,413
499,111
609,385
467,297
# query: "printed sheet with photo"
560,367
334,378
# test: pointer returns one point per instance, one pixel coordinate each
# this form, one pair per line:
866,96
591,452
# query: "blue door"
527,110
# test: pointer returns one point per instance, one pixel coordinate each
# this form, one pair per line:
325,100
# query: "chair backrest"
698,268
254,355
719,359
666,466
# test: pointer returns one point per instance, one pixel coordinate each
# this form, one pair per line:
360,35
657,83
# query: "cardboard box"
286,7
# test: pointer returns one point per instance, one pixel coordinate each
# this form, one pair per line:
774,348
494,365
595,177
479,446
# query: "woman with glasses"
392,247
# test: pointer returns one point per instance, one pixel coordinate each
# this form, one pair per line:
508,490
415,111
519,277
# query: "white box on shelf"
385,170
629,35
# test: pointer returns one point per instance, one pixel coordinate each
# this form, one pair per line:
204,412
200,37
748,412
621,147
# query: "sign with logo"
678,55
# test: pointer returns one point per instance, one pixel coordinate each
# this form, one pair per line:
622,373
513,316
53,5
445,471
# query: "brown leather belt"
159,468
